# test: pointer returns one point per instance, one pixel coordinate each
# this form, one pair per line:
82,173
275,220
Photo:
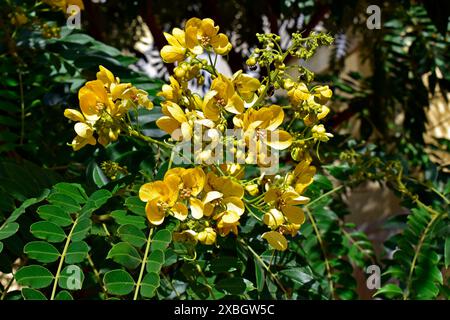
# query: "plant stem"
322,247
61,260
96,274
324,195
261,261
144,262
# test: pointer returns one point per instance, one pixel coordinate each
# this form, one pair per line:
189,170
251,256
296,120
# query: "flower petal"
276,240
294,214
154,212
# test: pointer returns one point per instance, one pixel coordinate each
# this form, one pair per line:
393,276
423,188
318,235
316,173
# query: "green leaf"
8,230
95,201
259,274
131,234
97,175
71,278
34,276
161,240
47,231
81,229
32,294
76,252
123,218
55,214
233,286
297,275
63,295
73,190
149,285
41,251
27,203
390,290
446,254
1,247
118,282
135,205
155,261
124,254
65,202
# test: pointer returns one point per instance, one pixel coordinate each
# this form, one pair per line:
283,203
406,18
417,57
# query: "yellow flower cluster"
284,215
209,199
206,204
104,103
198,35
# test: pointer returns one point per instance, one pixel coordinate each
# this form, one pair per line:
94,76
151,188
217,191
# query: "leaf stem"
61,260
144,262
322,247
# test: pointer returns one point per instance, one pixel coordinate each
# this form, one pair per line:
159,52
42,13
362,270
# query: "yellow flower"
18,18
171,92
298,93
312,118
207,236
190,184
274,218
319,133
222,201
286,201
176,50
202,34
303,175
245,85
323,94
222,97
161,198
290,228
260,128
276,240
179,124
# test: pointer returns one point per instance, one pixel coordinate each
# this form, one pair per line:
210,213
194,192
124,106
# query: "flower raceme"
212,198
104,104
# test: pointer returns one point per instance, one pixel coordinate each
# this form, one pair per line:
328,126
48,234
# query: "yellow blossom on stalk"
319,133
175,51
245,85
207,236
260,127
274,218
162,199
203,34
178,123
190,184
103,103
323,94
171,92
222,201
297,92
303,175
222,97
312,118
286,201
18,18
